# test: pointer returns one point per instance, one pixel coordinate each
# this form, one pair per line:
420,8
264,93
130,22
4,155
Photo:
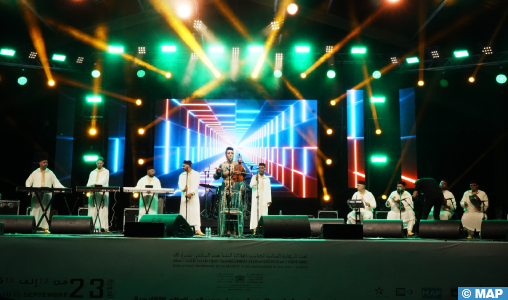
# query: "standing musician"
188,183
226,170
405,213
99,177
449,205
261,196
368,200
239,170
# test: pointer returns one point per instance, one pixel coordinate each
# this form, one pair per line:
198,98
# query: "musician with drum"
368,200
42,177
401,204
475,203
99,177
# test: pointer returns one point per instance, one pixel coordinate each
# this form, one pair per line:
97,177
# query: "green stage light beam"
216,49
255,49
90,158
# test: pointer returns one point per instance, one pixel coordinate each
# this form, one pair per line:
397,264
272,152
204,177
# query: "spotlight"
329,49
501,78
168,75
487,50
254,75
383,197
217,74
141,161
328,161
135,195
303,75
421,82
51,83
88,194
443,82
471,79
435,54
393,1
376,74
329,131
194,56
326,197
96,73
139,102
277,73
184,11
394,60
141,131
378,131
330,74
79,60
198,24
275,25
333,102
292,8
141,50
141,73
22,80
92,131
32,55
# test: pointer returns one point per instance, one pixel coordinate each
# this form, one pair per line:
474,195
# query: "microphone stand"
401,206
228,198
257,197
186,191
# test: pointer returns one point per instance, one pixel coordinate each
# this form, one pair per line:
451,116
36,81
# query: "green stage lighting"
22,80
461,53
96,73
115,49
377,99
376,74
302,49
412,60
330,74
277,73
378,159
7,52
141,73
59,57
94,99
216,49
501,78
358,50
90,158
443,82
167,48
255,49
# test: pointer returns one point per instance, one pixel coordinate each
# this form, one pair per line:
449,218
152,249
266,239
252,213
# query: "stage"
111,266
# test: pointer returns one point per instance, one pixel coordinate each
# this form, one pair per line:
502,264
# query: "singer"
189,205
261,196
401,211
226,171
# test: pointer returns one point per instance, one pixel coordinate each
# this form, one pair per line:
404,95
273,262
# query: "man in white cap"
261,196
189,205
368,200
474,214
406,214
147,202
99,177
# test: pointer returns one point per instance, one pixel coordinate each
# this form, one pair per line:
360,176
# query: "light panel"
302,49
7,52
412,60
377,99
94,99
90,158
358,50
58,57
378,159
461,53
168,48
115,49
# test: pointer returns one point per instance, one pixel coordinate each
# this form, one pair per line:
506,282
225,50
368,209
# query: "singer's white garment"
152,210
265,197
472,217
365,213
100,177
42,179
445,213
408,215
192,205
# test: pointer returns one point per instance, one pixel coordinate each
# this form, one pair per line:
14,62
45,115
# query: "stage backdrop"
280,133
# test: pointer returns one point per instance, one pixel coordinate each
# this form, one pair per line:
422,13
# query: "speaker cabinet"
433,229
495,229
342,231
284,227
316,224
174,225
71,225
1,228
18,224
383,228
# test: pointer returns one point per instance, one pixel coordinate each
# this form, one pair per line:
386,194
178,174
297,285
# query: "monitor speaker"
342,231
316,224
71,225
1,228
434,229
284,227
18,224
175,225
495,229
383,228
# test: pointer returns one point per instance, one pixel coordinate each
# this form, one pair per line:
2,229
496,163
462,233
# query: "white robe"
365,213
192,205
445,213
472,217
152,210
408,215
35,180
102,178
265,196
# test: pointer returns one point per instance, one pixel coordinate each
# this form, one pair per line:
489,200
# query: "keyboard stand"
147,209
97,208
44,209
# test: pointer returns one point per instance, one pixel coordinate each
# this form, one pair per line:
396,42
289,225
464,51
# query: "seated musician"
99,177
474,213
42,177
147,200
368,200
449,204
406,213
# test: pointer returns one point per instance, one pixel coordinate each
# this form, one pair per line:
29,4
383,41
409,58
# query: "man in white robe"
188,184
261,194
449,204
407,214
368,201
42,177
473,215
99,176
144,202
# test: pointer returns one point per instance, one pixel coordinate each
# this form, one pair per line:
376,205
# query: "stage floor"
114,267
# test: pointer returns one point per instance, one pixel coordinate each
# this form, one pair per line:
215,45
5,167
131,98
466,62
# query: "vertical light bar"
167,108
304,162
177,158
187,148
292,125
166,154
303,110
277,132
292,169
277,163
356,166
199,143
116,155
282,120
187,119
